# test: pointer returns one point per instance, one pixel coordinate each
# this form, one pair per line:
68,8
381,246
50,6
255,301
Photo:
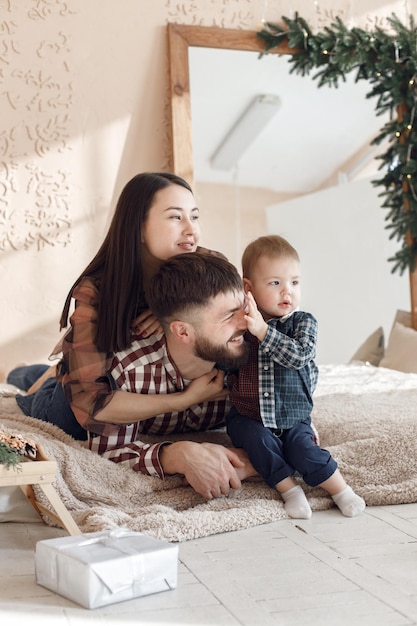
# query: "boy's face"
275,285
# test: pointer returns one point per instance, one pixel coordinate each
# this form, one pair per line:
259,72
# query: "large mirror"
324,211
180,39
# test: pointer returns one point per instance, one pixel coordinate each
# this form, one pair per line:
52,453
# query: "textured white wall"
84,107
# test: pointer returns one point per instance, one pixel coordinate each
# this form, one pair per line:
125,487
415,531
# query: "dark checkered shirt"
145,367
277,384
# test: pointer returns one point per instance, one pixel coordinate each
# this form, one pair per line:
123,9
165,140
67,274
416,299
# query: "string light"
410,127
264,10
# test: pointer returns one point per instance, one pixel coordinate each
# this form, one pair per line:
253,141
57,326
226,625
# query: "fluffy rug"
372,435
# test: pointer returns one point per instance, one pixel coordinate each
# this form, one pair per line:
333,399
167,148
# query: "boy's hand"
256,323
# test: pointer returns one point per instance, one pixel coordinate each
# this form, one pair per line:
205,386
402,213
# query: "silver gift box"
105,567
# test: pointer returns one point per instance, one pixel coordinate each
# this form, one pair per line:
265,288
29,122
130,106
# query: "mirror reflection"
306,175
316,137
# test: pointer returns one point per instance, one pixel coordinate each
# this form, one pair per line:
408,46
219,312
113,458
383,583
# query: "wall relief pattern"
248,14
36,96
37,100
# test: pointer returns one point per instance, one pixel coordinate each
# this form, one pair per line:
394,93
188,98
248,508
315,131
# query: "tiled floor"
328,571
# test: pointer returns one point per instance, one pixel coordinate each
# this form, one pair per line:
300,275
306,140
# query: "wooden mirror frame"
180,38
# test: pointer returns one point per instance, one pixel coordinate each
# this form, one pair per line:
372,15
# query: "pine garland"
388,61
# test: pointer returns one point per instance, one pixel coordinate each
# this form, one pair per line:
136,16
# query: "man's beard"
221,355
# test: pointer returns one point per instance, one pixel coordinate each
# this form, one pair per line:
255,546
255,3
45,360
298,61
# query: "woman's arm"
125,407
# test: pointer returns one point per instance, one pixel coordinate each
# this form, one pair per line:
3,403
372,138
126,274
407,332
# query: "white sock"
296,503
349,502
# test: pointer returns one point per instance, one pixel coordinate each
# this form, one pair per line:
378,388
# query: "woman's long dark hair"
117,265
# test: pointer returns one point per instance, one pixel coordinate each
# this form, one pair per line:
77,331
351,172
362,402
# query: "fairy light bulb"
264,10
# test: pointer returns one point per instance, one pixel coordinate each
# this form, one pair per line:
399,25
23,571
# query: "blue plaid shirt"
277,384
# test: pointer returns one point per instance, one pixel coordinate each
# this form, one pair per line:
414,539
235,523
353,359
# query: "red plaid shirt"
145,367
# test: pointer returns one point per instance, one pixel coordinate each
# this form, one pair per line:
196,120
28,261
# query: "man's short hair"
189,281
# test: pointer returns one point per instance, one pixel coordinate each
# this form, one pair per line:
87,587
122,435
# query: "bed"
365,412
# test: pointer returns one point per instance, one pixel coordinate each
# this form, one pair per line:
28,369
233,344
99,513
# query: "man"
200,302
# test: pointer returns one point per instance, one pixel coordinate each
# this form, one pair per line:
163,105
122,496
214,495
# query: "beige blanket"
372,433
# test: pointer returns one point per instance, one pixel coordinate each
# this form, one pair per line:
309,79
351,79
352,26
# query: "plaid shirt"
83,370
289,346
145,367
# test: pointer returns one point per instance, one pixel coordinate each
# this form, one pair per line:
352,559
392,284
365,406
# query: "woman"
155,219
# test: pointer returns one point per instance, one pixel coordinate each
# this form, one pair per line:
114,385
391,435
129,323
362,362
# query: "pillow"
403,317
401,352
372,349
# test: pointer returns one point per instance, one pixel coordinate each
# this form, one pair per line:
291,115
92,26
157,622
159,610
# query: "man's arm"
211,469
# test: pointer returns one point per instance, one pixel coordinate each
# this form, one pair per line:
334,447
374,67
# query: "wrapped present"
95,569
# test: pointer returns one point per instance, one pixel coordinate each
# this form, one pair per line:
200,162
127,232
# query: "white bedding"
359,378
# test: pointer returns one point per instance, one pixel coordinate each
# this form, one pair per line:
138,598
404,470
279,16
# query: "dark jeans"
48,403
277,457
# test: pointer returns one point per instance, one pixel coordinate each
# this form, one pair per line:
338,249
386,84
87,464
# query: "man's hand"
210,469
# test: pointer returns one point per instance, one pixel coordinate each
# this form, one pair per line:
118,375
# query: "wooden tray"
42,472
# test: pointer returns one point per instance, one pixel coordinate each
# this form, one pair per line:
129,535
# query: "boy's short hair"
189,281
268,245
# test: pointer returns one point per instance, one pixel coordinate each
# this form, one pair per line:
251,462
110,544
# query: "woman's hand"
146,324
206,388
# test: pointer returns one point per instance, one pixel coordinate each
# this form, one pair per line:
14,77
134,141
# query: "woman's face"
172,225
